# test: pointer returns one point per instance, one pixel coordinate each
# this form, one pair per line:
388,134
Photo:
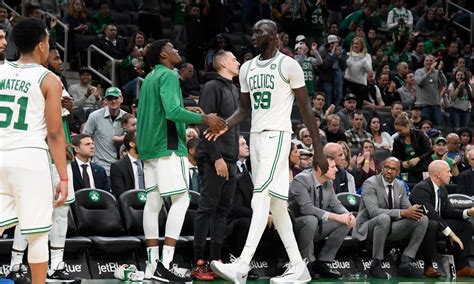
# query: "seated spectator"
318,106
332,129
412,147
306,159
127,173
415,117
190,87
244,154
381,139
357,134
408,91
344,181
395,111
86,174
465,180
318,215
366,165
440,152
191,133
385,213
86,97
306,140
388,89
373,100
111,44
349,160
454,145
294,162
465,136
194,179
346,113
102,18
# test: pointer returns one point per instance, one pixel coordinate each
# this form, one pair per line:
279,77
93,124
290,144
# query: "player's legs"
38,256
174,224
19,246
58,235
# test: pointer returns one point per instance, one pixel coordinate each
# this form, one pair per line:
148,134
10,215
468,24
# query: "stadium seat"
460,201
382,154
350,200
97,217
124,5
74,242
122,18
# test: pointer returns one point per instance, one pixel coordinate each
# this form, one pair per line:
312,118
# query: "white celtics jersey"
270,85
22,119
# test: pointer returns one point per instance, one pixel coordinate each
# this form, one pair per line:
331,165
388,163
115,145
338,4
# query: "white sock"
153,255
56,258
168,255
17,258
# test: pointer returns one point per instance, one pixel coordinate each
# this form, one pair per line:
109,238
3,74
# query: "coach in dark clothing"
217,159
127,173
86,174
445,221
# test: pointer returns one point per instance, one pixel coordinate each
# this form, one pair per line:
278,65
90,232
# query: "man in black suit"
466,179
444,219
86,174
127,173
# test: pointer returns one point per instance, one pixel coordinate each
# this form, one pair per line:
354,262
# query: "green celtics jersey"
308,71
177,11
316,19
162,119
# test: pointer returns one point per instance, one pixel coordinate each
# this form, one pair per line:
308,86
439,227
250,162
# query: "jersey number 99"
262,100
6,113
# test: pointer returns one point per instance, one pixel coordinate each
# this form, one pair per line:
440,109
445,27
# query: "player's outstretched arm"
241,114
302,99
52,90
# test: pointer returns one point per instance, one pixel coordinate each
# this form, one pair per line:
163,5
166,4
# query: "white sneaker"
295,273
128,272
236,272
150,270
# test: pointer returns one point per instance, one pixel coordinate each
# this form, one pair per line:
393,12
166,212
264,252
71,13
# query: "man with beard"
269,84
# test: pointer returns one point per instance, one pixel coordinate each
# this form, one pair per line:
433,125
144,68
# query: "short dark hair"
129,137
153,54
53,45
396,103
76,139
217,57
192,143
27,33
30,8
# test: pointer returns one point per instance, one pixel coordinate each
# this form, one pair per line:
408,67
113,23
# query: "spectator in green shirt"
102,18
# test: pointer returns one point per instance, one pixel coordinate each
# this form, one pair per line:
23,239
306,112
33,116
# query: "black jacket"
420,143
327,73
121,176
466,182
423,194
221,97
100,177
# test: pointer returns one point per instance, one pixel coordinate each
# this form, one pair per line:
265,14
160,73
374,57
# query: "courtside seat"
97,217
350,200
460,201
74,242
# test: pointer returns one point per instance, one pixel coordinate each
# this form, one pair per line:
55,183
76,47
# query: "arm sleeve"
420,77
170,92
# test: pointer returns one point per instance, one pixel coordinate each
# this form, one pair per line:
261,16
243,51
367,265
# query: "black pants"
462,229
217,196
360,91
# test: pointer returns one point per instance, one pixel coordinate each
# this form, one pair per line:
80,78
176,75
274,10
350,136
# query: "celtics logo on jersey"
94,196
141,196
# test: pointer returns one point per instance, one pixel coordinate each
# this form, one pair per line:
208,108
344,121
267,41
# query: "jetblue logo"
336,264
107,268
366,264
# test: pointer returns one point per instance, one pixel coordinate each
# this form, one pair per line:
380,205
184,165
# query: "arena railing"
470,29
113,80
64,46
9,8
138,85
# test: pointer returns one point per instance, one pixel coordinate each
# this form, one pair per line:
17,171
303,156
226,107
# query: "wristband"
64,179
366,161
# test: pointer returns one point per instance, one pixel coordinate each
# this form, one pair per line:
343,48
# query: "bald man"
344,181
445,221
454,146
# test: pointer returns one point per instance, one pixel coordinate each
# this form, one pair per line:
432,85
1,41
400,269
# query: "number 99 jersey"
270,84
22,106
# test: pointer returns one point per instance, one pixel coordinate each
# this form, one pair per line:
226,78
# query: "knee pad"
38,248
59,229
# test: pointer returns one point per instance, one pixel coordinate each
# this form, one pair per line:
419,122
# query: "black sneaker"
173,275
61,275
376,270
18,274
324,271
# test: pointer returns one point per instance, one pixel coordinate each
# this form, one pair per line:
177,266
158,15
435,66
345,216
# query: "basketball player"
59,229
161,140
31,112
269,84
